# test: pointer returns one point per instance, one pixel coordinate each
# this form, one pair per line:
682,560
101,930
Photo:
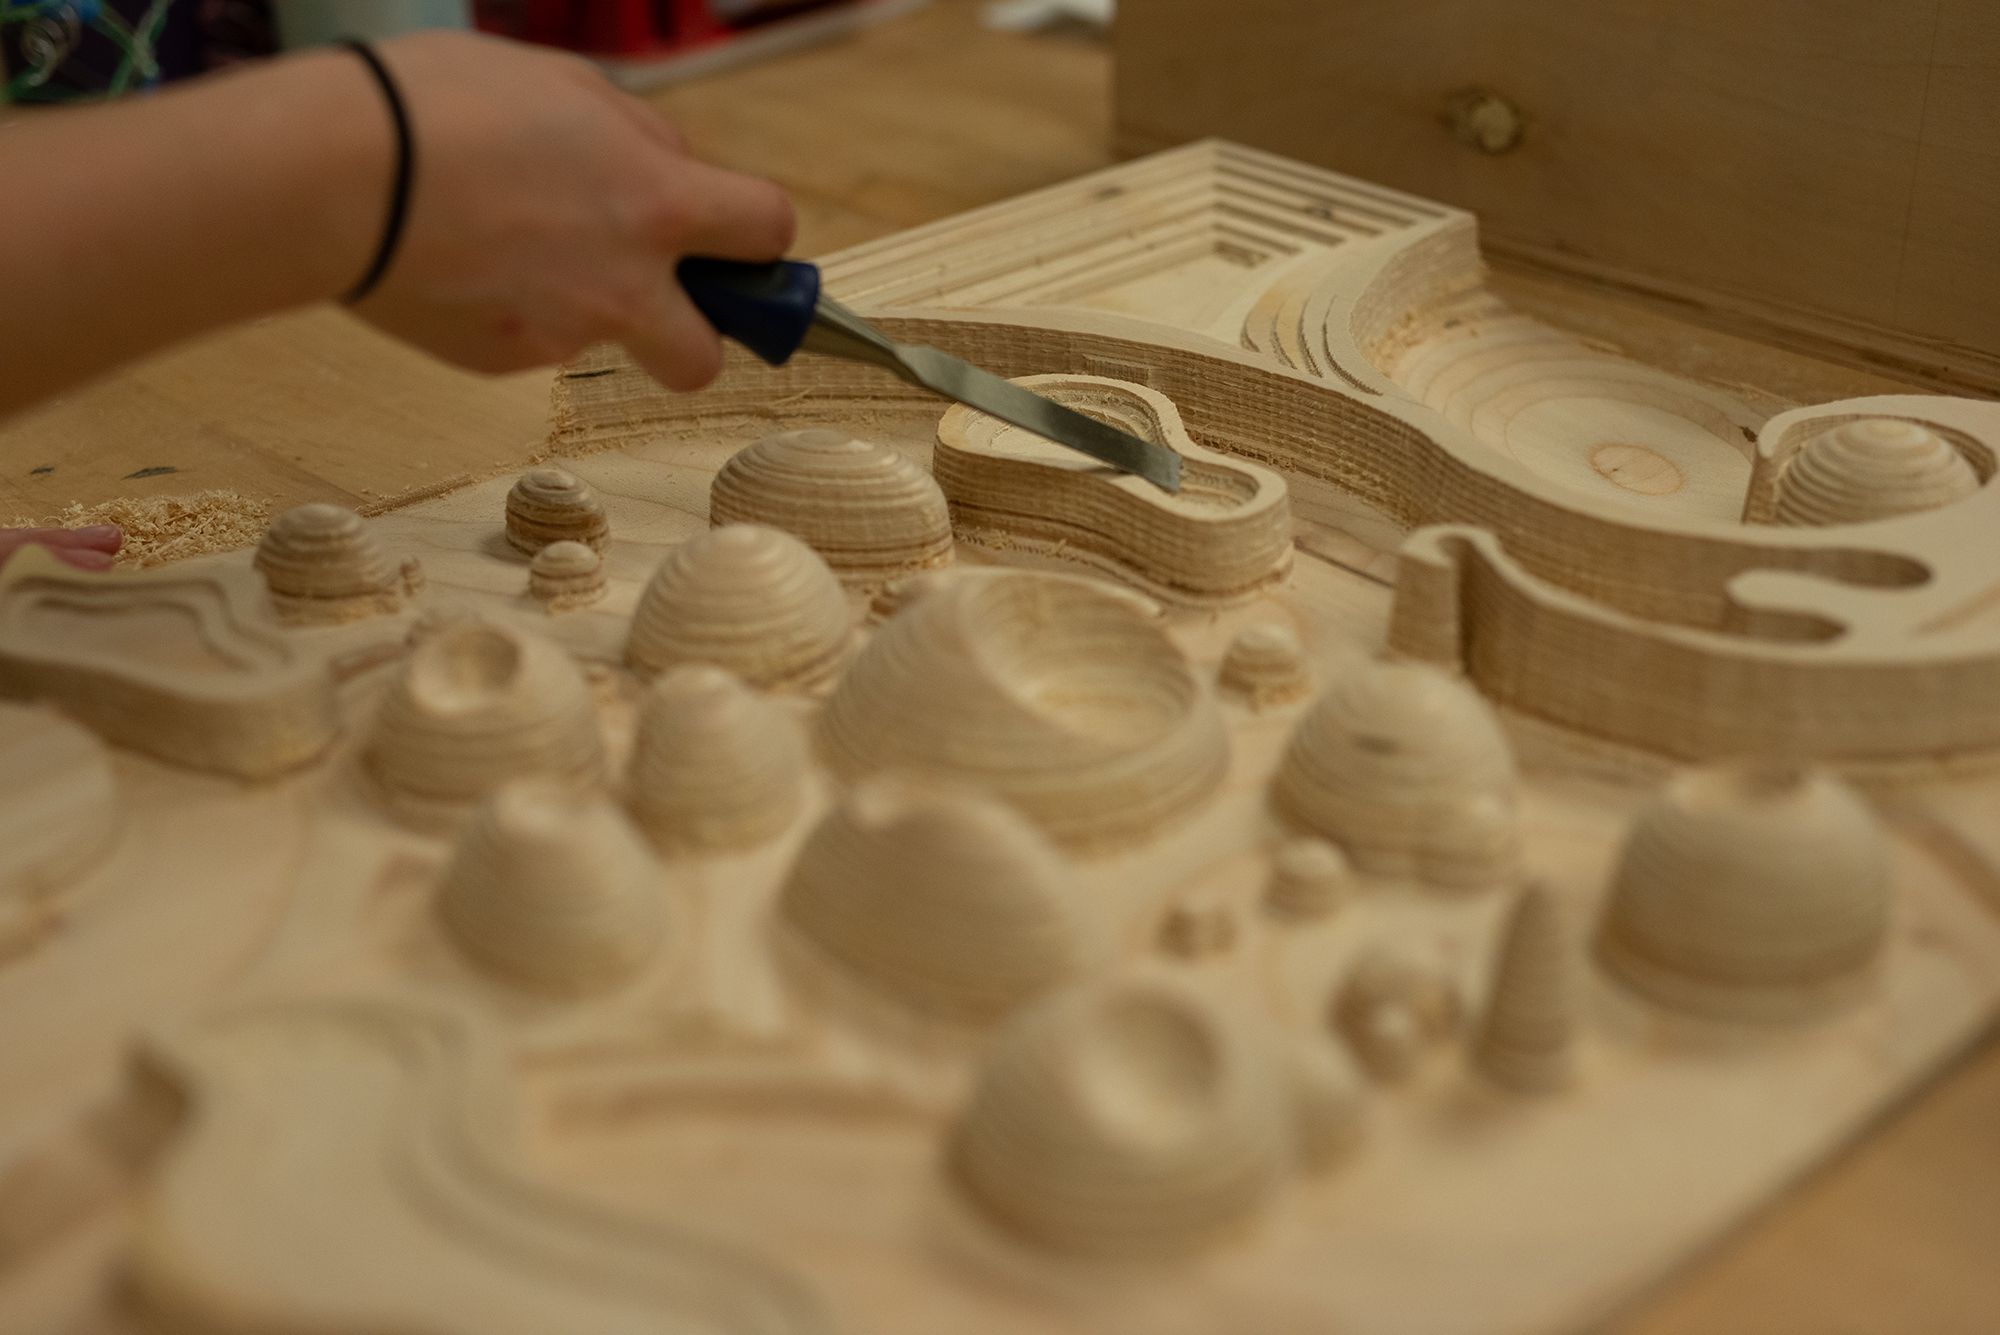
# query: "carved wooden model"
819,860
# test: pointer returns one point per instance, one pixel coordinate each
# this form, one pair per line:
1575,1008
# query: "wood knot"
1483,119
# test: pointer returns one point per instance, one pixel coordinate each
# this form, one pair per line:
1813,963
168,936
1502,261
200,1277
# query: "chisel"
777,309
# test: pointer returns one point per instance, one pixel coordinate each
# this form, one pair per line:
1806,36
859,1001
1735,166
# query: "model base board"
1494,834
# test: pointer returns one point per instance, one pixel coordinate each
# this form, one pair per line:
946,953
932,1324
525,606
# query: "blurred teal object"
313,22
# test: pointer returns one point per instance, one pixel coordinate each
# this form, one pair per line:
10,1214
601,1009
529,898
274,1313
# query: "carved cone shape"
477,704
754,601
1265,667
552,505
714,766
322,564
1748,892
867,509
946,902
1527,1036
566,574
1407,770
1872,468
1061,700
553,890
1127,1117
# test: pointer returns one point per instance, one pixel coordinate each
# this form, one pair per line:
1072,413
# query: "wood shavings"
159,529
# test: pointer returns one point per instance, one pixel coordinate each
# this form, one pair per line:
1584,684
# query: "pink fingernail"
101,533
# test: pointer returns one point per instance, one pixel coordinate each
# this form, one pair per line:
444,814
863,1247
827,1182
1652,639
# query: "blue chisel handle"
765,307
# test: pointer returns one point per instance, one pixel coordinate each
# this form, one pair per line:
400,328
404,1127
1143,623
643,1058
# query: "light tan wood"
1225,533
707,1048
870,513
1822,172
180,666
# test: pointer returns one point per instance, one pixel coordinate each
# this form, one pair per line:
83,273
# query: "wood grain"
1822,171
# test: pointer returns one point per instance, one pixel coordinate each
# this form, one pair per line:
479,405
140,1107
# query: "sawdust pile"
159,529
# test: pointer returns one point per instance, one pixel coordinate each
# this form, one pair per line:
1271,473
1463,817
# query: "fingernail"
101,533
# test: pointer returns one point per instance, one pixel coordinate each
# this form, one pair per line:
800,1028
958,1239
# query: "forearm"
135,225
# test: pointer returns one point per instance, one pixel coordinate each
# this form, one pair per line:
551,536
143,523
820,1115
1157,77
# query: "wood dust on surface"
159,529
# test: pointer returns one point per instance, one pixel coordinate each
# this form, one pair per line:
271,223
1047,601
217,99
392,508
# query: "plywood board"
767,1055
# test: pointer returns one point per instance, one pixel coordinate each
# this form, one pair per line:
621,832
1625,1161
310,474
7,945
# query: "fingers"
727,215
83,558
674,343
650,123
97,537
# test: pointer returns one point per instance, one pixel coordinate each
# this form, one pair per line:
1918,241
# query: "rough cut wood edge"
262,708
1225,535
290,1102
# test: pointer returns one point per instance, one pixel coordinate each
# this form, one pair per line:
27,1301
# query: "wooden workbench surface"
922,118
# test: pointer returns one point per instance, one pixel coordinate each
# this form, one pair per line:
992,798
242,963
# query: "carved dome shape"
1061,700
477,704
1310,878
565,575
1407,770
1265,667
322,564
552,889
1748,892
946,902
554,505
751,600
1125,1117
714,765
1872,468
864,507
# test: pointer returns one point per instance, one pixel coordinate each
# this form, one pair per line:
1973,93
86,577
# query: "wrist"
314,138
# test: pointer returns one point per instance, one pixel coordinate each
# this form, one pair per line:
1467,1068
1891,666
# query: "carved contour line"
1224,536
385,1123
243,701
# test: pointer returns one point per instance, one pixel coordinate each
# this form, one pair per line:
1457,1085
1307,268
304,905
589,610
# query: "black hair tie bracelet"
406,164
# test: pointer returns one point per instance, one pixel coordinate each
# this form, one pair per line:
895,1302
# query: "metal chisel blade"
942,373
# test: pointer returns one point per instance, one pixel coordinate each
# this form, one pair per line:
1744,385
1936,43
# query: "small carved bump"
552,889
477,704
1199,925
945,902
554,505
1527,1036
1329,1102
1061,700
1748,892
868,510
1265,667
566,575
1407,770
1124,1117
714,765
322,565
1310,878
1872,468
1393,1009
751,600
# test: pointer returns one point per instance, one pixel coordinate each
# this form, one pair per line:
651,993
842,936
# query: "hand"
85,548
548,212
